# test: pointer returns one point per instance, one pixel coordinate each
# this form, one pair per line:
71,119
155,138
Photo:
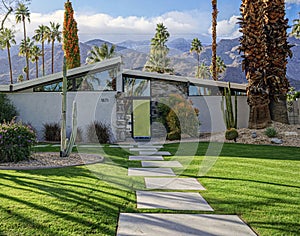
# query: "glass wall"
97,81
136,87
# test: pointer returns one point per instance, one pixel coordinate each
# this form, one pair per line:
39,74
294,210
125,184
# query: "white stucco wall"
211,116
40,108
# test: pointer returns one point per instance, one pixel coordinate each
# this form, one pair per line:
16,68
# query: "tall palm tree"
158,60
35,54
278,50
220,67
7,38
22,14
203,71
296,27
25,50
41,35
54,34
196,47
98,54
255,61
214,39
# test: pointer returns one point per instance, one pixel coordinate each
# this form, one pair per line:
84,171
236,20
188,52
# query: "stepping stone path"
161,164
158,176
146,158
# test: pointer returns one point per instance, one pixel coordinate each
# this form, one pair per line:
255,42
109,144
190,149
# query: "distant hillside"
135,53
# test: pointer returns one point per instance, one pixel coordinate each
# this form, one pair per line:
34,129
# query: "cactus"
229,116
66,145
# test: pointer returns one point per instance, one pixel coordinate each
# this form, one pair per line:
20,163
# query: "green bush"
178,116
99,132
231,134
7,109
52,132
16,142
271,132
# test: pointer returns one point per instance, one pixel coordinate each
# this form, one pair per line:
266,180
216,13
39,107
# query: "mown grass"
259,183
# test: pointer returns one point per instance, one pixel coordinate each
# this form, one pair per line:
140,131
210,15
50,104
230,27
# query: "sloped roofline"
57,77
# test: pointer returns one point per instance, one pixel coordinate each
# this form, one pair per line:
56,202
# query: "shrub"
179,117
52,132
79,137
7,109
16,142
231,134
271,132
99,132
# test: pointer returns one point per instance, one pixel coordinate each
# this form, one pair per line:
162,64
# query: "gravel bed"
44,160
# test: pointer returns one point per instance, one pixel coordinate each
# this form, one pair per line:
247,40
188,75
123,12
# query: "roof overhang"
57,77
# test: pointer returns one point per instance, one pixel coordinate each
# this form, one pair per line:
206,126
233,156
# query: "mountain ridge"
135,54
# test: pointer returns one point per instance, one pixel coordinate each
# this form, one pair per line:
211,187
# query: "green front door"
141,119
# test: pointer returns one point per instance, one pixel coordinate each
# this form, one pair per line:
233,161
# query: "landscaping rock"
253,135
276,141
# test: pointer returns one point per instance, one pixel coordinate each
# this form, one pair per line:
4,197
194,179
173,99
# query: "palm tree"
98,54
25,50
255,59
214,40
35,54
41,35
54,34
158,60
296,27
196,47
203,71
7,38
22,13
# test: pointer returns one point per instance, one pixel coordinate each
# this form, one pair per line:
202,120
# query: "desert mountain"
134,54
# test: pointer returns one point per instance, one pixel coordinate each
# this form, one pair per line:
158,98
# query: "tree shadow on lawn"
85,194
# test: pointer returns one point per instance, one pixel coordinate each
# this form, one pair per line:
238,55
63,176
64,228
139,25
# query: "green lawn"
259,183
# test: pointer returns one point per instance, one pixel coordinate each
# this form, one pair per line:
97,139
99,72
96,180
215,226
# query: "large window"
136,87
97,81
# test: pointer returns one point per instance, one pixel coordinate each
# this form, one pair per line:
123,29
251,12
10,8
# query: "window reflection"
136,87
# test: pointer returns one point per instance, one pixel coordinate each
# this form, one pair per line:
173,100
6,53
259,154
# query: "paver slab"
149,146
150,172
173,183
171,201
143,149
161,164
145,158
121,146
150,224
163,153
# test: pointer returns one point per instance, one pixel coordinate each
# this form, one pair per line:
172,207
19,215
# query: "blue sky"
119,20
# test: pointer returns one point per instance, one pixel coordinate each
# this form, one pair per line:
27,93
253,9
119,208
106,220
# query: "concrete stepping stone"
147,153
149,146
171,201
150,172
173,184
161,164
146,158
121,146
181,224
143,149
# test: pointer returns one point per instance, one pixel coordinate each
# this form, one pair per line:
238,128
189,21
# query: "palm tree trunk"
214,39
278,110
26,51
43,57
52,66
37,68
10,66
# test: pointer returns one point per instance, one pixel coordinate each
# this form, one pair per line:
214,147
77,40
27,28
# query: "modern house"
127,100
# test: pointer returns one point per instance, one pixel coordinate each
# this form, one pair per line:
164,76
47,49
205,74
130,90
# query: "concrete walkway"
157,176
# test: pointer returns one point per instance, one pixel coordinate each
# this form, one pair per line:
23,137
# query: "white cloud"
227,28
292,1
180,24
